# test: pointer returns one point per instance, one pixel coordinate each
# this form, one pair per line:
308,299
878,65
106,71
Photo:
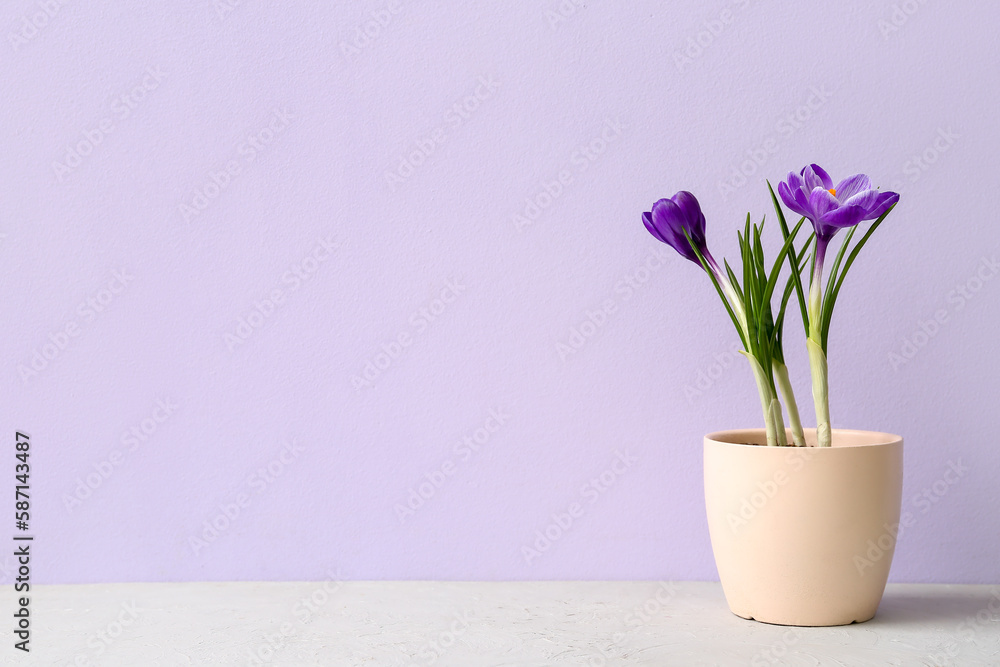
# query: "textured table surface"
523,623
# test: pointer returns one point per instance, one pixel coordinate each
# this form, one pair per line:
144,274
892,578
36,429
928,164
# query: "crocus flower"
670,218
830,209
811,193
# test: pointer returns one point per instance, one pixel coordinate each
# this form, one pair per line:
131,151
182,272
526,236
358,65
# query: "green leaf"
733,280
747,277
778,335
832,279
779,324
749,286
765,324
795,274
772,279
751,260
718,288
832,301
758,251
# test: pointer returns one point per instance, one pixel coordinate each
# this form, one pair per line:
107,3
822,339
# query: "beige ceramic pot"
803,535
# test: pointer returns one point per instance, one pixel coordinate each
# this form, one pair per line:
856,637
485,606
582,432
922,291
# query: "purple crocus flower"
670,218
830,209
811,193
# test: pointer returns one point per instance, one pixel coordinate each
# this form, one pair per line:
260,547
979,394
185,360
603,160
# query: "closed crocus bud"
671,218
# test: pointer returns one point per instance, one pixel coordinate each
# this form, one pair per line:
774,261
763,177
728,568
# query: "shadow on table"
951,605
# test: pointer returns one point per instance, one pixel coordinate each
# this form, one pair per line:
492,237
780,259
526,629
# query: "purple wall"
267,263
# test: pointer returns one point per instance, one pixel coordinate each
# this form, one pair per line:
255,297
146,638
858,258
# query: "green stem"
820,391
814,344
785,387
816,302
738,306
769,404
779,424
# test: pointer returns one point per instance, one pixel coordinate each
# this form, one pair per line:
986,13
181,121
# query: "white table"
468,624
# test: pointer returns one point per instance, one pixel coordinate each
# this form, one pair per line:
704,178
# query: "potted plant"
803,522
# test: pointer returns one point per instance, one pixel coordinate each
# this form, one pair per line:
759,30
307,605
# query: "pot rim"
738,437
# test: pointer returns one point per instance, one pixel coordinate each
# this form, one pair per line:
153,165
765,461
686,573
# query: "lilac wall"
258,264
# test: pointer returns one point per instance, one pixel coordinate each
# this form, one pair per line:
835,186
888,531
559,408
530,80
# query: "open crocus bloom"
811,193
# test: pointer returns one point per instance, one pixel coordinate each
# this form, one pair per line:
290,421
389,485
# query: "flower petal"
647,219
882,204
821,201
844,216
794,198
852,185
865,199
665,215
669,221
794,181
691,210
815,177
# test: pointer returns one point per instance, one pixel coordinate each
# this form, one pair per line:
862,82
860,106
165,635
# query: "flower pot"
803,535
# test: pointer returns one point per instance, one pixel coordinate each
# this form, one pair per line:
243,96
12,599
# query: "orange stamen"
833,191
